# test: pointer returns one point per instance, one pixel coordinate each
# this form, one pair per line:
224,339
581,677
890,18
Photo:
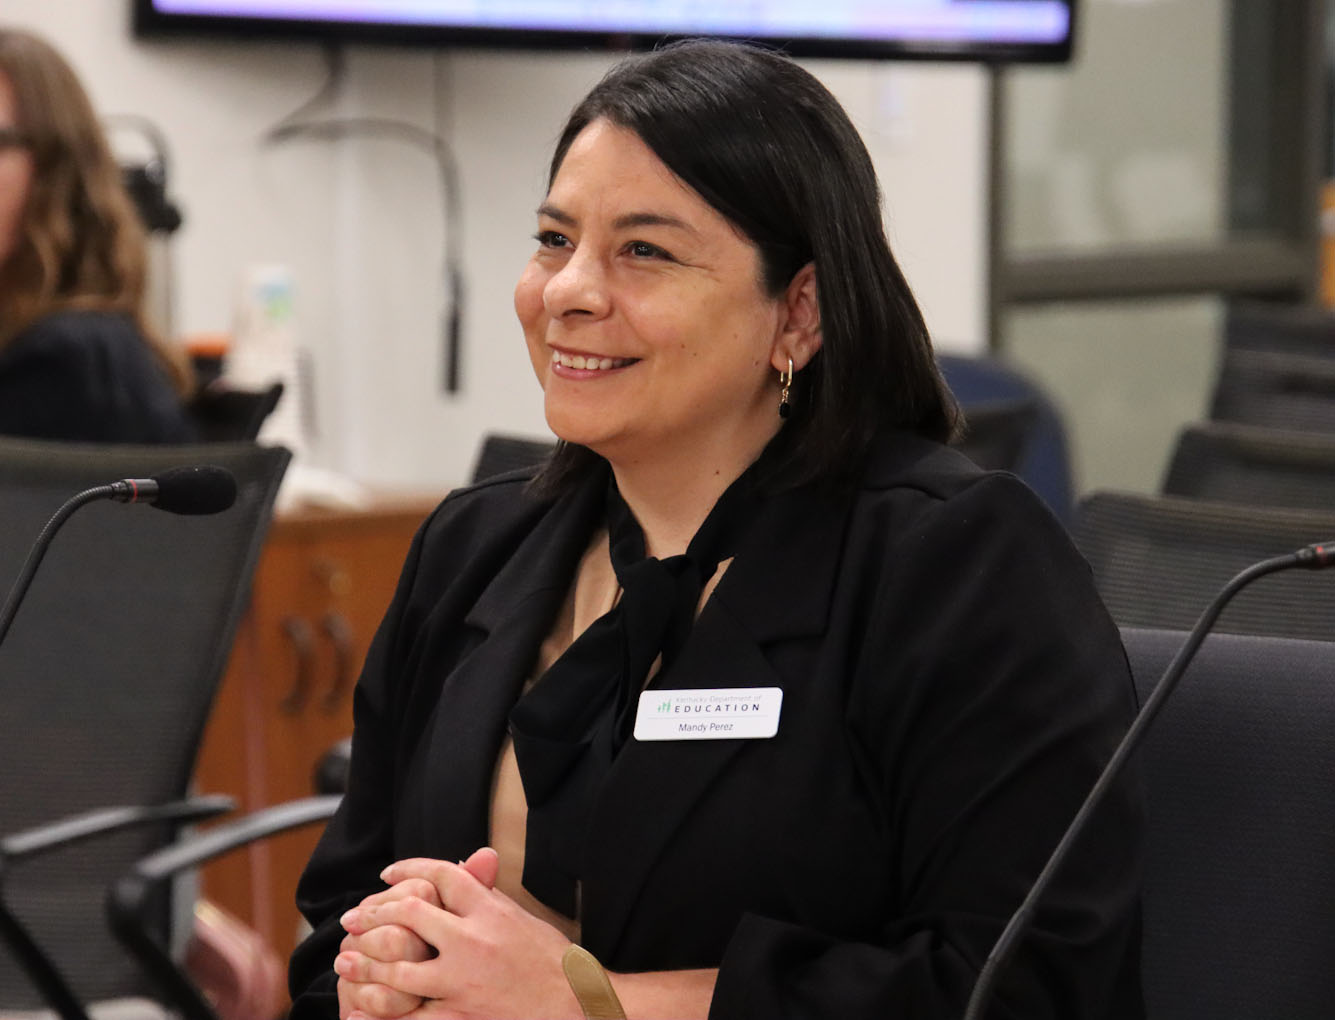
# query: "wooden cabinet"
321,587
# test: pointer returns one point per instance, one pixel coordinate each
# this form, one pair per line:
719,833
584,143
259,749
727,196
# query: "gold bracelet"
591,985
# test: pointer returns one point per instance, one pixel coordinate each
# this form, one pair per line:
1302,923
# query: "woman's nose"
580,288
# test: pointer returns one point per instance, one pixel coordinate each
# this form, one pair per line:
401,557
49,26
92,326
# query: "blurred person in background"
78,360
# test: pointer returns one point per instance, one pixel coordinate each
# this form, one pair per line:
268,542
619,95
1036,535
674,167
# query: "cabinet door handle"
299,633
332,576
339,632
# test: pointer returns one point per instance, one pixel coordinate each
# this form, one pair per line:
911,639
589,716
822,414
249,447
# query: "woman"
751,511
77,359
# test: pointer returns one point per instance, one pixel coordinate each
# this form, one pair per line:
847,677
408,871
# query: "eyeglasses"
13,138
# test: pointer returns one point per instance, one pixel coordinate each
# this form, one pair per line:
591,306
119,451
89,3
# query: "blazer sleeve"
358,842
990,688
425,633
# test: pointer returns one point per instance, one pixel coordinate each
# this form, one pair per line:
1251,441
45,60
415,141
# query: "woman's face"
15,171
644,313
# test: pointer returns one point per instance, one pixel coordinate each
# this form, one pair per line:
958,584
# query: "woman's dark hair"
764,143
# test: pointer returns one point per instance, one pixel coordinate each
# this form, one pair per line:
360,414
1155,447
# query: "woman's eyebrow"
651,219
635,219
554,213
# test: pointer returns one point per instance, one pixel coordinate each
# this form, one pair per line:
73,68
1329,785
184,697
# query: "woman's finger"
433,925
389,942
434,1009
430,1009
459,890
405,979
419,887
354,922
484,865
376,1002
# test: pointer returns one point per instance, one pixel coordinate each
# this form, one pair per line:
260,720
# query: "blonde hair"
81,244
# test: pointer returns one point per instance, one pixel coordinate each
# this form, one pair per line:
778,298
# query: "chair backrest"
107,675
222,414
499,454
1239,894
1043,460
1159,560
997,432
1253,465
1277,390
1281,327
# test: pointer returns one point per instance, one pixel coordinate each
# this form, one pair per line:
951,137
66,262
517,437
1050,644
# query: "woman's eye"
552,239
645,250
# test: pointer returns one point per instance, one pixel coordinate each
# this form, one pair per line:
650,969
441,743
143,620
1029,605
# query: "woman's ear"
799,336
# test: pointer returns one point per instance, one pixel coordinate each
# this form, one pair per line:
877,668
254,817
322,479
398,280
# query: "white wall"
359,222
1127,147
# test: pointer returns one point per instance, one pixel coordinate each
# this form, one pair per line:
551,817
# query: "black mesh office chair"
984,388
1252,465
1277,390
1280,327
499,454
997,431
1239,900
106,679
222,414
1158,561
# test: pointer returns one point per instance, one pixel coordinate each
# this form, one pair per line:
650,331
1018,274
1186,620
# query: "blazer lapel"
509,621
764,597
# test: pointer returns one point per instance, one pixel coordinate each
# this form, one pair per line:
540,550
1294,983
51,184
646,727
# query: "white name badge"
746,713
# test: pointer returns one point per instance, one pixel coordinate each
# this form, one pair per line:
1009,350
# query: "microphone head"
204,489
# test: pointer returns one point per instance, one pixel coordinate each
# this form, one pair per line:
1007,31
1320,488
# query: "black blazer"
90,377
951,683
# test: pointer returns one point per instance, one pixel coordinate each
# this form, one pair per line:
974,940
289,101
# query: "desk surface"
382,507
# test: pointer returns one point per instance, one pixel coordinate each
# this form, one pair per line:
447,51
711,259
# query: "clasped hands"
441,943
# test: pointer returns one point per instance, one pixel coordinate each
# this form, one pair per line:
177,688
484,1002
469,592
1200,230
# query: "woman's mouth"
589,362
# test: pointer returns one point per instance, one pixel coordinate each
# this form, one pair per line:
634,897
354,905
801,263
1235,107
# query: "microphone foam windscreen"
205,489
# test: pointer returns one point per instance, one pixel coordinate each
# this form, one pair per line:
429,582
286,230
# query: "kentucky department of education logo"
709,714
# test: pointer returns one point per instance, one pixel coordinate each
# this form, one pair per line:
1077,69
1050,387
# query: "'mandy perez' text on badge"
745,713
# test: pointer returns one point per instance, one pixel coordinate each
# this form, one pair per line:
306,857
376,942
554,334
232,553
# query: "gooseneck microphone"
1313,557
184,490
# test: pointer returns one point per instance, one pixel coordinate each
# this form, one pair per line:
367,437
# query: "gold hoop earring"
786,381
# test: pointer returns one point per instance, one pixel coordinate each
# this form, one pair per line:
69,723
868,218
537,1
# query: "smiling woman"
750,506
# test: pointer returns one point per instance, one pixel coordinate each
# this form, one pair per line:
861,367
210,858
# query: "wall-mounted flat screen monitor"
980,30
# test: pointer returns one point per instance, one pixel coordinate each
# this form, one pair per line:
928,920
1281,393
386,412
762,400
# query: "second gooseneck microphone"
1313,557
